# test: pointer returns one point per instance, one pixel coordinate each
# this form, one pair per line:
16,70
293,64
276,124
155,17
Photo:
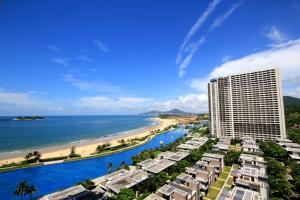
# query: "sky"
79,57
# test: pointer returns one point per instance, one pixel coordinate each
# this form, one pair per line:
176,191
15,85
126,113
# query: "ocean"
57,130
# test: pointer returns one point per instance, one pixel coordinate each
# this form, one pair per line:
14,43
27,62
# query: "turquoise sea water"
55,130
51,178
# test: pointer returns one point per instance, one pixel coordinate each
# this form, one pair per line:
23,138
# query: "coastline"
87,147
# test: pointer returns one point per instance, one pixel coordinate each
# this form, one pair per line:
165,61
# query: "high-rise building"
247,104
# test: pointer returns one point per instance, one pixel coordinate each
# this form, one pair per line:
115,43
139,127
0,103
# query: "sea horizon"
57,133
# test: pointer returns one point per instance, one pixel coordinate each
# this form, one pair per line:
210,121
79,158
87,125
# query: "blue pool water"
51,178
55,130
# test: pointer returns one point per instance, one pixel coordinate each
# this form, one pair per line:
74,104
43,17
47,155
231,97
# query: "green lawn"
212,193
218,184
235,166
230,181
227,169
223,175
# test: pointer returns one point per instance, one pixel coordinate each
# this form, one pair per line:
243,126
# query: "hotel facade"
247,105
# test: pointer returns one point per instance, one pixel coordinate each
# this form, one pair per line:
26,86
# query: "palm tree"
28,156
31,190
21,189
37,155
110,167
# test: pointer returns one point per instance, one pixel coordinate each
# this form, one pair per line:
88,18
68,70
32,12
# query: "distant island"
177,112
26,118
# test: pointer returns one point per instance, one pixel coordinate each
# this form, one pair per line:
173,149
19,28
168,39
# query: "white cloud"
203,17
21,103
285,56
275,35
61,61
191,103
95,86
226,58
218,21
85,58
101,46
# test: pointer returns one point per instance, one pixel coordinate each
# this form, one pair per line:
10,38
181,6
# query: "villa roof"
127,181
64,194
212,155
159,166
146,162
249,157
244,194
116,174
154,197
174,156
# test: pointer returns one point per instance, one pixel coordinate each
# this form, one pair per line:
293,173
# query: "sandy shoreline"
85,148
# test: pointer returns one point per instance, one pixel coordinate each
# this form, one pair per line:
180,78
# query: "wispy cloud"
191,48
85,58
275,35
101,46
53,48
61,61
203,17
94,86
219,20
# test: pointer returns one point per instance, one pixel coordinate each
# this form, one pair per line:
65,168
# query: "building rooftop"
284,140
127,181
239,193
174,187
212,155
174,156
159,166
187,146
249,157
146,162
293,150
67,193
186,178
289,144
116,174
153,197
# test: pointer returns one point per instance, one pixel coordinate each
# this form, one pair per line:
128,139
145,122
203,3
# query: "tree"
72,150
31,190
126,194
37,155
28,156
231,157
21,189
110,167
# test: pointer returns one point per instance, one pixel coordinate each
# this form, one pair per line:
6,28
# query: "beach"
87,147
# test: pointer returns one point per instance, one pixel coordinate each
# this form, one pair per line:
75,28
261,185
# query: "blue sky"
125,57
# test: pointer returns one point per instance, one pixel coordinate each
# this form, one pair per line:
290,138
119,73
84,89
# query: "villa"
215,159
293,149
249,145
177,191
254,179
194,143
205,178
252,160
